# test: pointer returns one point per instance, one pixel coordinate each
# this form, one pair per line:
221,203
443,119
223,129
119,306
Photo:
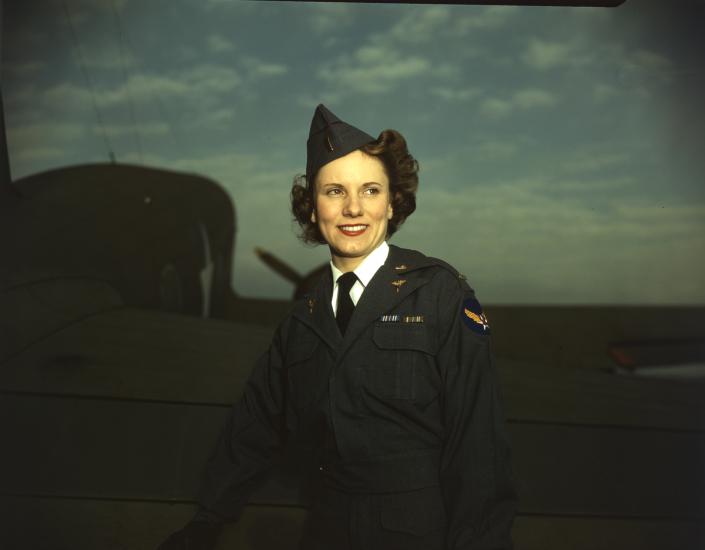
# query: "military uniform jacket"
408,398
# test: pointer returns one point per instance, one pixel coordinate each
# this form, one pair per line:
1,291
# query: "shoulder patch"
474,318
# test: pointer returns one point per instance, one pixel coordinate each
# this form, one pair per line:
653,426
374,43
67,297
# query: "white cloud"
591,160
544,54
144,87
651,61
642,69
529,98
240,7
420,24
201,81
496,108
217,43
64,94
427,24
370,55
456,94
446,71
401,54
201,84
372,71
218,118
253,68
270,69
211,78
636,74
489,18
602,92
330,18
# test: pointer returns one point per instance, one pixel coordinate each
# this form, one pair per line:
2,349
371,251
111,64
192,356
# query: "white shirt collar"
368,267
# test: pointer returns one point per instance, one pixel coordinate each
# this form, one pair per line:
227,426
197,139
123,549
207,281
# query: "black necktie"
345,306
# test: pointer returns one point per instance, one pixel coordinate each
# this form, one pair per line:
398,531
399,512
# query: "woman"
383,373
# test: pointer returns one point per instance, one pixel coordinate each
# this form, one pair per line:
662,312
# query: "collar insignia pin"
401,267
311,303
398,283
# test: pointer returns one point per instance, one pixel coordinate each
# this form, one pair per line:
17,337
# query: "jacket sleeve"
249,442
475,473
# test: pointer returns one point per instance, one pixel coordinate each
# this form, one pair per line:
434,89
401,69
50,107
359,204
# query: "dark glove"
197,535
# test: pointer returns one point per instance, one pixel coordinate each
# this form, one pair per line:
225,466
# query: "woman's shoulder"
430,265
450,287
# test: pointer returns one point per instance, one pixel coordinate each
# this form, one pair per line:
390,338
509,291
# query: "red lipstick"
352,230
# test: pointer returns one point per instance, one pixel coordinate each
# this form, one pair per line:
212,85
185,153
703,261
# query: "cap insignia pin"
329,143
399,283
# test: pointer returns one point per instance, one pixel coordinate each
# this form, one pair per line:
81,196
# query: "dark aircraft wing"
111,417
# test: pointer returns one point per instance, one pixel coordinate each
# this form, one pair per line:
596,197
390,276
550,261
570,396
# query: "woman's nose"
353,206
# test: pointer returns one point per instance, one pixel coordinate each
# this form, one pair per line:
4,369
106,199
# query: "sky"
561,149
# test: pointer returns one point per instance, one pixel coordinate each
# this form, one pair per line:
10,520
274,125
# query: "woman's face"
352,207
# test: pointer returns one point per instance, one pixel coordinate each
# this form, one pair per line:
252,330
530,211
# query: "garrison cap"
330,138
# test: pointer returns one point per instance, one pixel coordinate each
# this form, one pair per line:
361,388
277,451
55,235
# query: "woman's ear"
313,216
390,211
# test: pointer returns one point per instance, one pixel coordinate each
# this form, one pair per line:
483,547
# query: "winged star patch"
474,318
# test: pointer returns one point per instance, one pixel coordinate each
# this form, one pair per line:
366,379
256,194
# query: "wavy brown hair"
401,168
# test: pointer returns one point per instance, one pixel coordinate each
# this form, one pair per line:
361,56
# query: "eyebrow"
336,184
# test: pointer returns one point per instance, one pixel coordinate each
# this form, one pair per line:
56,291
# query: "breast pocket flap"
403,336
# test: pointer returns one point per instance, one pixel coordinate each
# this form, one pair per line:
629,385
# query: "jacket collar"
400,275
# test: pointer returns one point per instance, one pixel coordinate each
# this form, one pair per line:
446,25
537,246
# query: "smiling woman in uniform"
383,373
352,207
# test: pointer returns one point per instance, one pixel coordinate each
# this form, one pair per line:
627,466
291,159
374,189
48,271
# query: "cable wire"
89,82
125,75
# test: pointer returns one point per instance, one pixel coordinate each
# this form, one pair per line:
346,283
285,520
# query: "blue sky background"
561,149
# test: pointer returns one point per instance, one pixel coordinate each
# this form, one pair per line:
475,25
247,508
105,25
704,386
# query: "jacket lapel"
316,312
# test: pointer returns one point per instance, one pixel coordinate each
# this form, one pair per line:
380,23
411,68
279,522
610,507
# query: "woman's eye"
334,191
372,191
